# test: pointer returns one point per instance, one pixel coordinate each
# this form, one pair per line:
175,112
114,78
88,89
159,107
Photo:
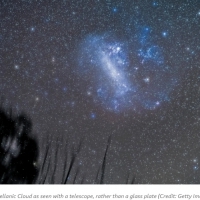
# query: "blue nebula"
125,74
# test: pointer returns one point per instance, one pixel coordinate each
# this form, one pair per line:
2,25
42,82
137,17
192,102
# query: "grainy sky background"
84,70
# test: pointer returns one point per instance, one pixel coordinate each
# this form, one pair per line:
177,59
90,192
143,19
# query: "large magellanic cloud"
124,74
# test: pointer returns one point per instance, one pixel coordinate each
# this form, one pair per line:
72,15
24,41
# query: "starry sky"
87,70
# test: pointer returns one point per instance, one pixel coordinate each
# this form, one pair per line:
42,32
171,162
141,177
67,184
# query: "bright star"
16,66
93,116
147,80
157,103
32,29
114,9
164,34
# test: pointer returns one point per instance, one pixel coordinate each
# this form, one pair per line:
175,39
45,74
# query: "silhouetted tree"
18,151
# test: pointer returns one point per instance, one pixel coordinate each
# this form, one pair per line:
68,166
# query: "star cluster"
88,70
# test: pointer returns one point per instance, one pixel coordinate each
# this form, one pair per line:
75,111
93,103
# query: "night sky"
87,70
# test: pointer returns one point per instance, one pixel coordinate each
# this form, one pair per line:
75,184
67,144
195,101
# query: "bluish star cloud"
105,61
124,77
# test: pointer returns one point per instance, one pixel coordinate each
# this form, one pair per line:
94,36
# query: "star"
147,80
32,29
114,9
93,115
16,66
164,34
